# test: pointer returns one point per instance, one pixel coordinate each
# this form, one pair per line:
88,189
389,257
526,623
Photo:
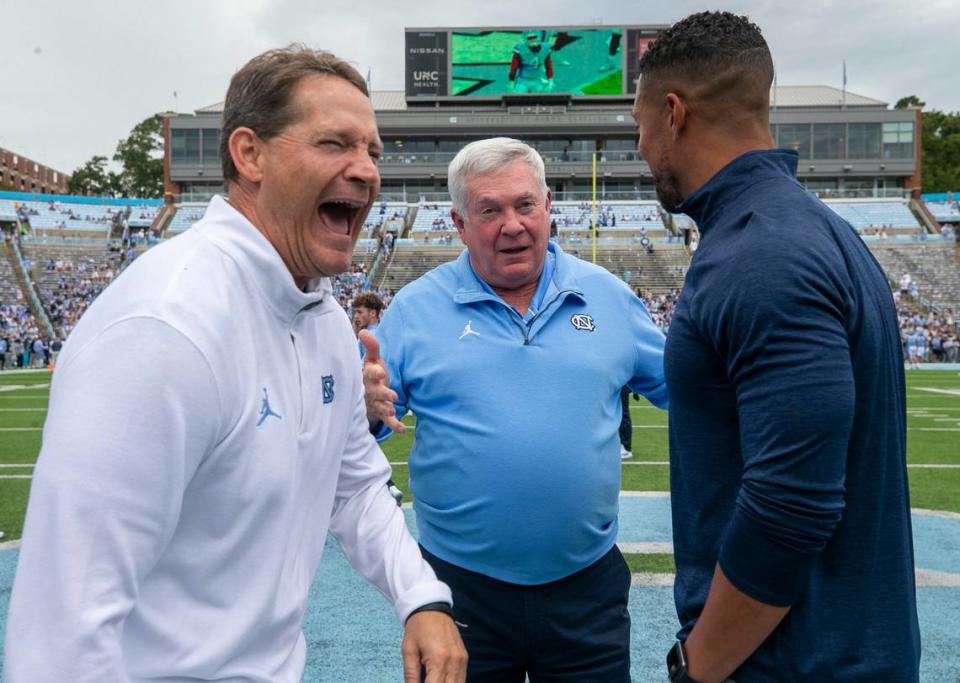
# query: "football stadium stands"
944,211
187,214
870,214
933,267
69,278
637,241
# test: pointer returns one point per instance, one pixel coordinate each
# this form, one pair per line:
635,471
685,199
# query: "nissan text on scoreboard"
487,63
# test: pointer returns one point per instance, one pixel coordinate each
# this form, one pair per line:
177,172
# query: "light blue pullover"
515,466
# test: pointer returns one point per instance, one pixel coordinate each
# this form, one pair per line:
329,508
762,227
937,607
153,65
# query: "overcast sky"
77,76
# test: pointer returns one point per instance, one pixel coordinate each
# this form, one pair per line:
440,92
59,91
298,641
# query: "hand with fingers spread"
431,641
376,386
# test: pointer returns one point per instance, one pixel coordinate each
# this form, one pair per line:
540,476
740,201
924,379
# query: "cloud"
104,66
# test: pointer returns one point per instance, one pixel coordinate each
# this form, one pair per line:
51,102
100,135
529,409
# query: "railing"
40,313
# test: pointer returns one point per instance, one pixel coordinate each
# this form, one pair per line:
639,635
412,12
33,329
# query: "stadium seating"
934,267
391,216
69,217
944,212
69,278
142,216
187,214
892,214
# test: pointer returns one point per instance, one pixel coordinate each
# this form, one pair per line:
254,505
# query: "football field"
352,635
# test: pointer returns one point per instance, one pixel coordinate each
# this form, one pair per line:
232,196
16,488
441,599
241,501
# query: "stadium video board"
488,63
575,61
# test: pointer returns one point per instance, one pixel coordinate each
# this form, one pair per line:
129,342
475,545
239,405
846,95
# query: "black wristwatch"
677,664
444,607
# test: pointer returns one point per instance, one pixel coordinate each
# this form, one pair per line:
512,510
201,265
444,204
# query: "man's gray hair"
484,157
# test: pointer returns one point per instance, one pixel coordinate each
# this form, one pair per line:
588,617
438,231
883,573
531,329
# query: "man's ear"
678,111
457,220
246,150
549,201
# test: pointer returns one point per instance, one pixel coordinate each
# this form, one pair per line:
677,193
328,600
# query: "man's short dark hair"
368,300
260,93
716,53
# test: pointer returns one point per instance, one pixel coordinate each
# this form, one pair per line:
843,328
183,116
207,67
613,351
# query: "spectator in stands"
205,548
787,442
4,347
512,358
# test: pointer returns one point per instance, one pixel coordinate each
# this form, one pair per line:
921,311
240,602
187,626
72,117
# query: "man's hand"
431,640
377,393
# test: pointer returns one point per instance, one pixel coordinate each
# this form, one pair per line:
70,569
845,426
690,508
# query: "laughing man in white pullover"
184,490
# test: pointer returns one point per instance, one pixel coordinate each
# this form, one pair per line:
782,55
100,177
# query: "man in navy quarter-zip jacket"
512,358
791,512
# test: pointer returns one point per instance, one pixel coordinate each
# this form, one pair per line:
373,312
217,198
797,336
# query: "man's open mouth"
339,215
513,250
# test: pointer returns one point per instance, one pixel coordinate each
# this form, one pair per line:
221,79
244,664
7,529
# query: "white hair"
484,157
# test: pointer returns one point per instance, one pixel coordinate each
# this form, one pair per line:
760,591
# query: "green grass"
650,564
929,488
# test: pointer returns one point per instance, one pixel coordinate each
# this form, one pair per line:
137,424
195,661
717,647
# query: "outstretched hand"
432,642
378,395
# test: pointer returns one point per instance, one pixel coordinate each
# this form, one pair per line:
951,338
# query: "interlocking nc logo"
582,322
327,382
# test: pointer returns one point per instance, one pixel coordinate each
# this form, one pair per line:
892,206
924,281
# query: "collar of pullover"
707,203
470,288
240,240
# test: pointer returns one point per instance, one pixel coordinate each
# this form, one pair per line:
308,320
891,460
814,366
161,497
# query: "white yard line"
21,429
653,580
16,476
651,548
23,410
926,578
17,387
5,464
942,514
933,390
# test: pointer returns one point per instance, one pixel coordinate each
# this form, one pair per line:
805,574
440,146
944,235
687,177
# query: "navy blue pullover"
788,430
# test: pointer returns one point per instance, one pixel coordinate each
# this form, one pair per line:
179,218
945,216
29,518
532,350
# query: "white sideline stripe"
649,426
31,410
942,514
16,476
18,387
933,429
931,577
933,390
645,494
7,464
21,429
655,580
650,548
926,578
20,397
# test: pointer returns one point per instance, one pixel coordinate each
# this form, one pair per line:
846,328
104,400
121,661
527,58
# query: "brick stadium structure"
22,174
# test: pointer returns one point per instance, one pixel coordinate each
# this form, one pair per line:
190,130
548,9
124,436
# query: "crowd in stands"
660,307
77,285
928,337
348,285
21,343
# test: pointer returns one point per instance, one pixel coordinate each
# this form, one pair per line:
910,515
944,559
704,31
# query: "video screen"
575,61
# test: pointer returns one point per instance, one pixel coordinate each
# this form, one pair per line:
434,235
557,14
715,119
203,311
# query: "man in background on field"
180,506
512,358
791,511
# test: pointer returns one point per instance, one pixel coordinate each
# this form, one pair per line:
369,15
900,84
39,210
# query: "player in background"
531,69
